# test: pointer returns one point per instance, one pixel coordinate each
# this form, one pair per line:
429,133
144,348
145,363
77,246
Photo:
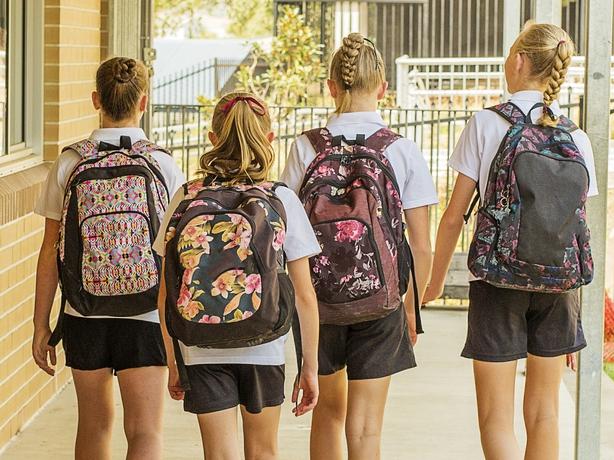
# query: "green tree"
174,15
250,18
293,65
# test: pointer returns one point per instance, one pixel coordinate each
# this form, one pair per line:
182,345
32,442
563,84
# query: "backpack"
225,267
352,199
115,199
531,232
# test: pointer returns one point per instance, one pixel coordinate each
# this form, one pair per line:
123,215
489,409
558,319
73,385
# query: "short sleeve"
160,244
584,145
466,156
173,176
294,170
417,189
300,241
50,204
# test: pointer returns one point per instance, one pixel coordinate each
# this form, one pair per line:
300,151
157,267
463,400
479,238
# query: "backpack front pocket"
221,280
349,267
117,258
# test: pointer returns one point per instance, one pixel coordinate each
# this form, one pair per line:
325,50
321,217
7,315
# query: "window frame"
29,151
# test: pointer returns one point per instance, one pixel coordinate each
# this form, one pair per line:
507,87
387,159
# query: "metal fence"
210,78
183,130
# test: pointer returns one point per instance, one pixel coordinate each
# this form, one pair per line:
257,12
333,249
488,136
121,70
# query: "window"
21,34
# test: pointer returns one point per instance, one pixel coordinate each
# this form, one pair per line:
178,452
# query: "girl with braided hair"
506,325
357,360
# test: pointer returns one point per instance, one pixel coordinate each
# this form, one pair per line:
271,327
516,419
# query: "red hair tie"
253,103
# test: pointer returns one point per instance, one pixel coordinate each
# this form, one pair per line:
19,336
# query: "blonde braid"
349,56
562,60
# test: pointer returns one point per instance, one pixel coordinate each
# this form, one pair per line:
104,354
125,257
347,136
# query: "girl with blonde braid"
506,325
357,360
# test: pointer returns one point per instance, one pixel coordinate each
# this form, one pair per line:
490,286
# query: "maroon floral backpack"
225,269
115,199
531,231
351,196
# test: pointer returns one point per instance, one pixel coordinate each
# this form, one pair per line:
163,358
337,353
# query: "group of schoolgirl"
206,278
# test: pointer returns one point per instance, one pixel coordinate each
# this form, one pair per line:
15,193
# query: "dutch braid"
349,55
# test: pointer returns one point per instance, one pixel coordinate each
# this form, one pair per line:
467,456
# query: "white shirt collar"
111,135
532,97
355,118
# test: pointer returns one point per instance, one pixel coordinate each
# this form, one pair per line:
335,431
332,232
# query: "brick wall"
72,53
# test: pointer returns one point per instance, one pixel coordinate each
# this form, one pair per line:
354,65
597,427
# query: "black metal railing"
183,130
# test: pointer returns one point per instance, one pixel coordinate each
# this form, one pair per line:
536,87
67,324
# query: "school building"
49,52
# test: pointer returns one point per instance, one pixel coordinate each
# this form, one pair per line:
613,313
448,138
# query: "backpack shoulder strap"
382,139
567,124
510,112
146,146
321,139
86,148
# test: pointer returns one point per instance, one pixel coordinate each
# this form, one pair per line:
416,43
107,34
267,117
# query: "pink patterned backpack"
115,199
351,196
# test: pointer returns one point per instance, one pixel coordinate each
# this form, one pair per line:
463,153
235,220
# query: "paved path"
430,416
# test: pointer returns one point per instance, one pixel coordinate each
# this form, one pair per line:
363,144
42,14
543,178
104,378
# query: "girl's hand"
41,348
433,292
174,386
308,384
572,362
410,314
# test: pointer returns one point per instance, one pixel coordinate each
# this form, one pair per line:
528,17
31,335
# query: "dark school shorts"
216,387
370,350
116,343
506,324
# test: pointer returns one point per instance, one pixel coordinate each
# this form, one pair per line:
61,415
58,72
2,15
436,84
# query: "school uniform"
96,342
250,376
506,324
378,348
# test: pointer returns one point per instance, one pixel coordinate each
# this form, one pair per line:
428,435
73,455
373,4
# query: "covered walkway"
431,412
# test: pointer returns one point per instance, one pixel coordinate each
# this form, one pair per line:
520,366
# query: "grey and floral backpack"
352,198
531,232
225,274
115,199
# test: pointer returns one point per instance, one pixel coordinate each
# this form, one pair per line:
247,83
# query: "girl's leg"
220,434
365,417
541,407
495,385
328,420
260,433
95,404
142,391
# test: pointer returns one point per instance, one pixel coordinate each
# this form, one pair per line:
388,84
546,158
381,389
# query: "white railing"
467,82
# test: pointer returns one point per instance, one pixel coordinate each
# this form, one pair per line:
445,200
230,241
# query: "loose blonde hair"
243,152
357,66
549,50
120,83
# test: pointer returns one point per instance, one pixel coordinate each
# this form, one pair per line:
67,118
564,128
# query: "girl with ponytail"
506,325
215,382
357,360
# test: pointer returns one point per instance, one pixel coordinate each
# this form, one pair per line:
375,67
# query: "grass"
609,369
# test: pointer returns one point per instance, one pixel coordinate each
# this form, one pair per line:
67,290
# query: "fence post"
548,11
216,78
598,17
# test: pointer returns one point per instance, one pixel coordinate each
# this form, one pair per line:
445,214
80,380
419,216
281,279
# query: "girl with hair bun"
366,332
533,169
109,322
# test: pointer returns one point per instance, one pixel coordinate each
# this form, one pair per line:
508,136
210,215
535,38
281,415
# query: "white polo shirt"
51,201
410,168
480,140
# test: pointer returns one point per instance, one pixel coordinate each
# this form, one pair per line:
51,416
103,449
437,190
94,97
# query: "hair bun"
125,70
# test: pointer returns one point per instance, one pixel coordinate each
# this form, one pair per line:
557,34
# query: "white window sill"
15,162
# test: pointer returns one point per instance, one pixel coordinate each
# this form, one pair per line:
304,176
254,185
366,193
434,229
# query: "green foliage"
293,65
250,18
174,15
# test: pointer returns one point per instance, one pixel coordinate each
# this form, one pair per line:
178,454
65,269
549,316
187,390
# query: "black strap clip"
125,143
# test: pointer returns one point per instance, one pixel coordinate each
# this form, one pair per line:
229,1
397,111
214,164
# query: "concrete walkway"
431,412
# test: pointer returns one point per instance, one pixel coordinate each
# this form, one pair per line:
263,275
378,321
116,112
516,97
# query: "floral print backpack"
531,232
352,198
225,274
115,199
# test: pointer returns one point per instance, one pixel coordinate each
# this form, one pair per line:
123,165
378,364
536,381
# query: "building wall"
72,52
